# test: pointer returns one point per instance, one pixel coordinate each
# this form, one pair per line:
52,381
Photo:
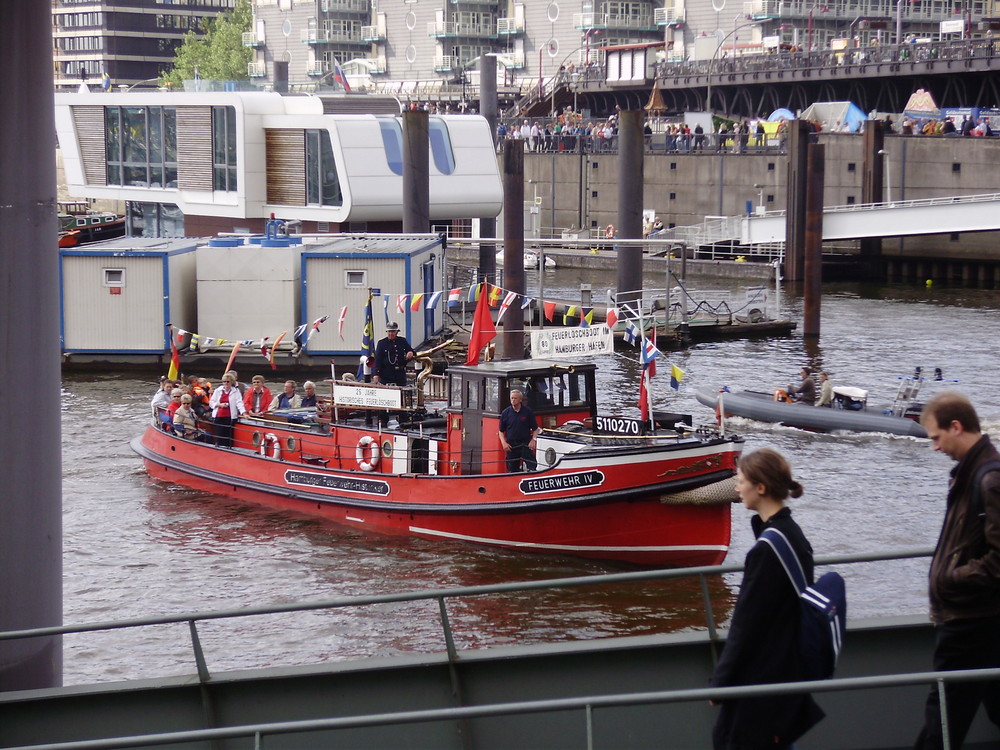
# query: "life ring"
609,232
367,459
781,395
270,439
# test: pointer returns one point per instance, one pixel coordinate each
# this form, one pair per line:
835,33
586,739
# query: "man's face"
309,390
515,399
289,388
392,335
945,439
258,385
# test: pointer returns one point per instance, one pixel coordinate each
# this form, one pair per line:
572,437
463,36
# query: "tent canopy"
781,114
921,106
847,113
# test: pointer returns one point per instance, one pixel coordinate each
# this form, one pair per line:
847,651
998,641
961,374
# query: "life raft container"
781,395
270,439
367,453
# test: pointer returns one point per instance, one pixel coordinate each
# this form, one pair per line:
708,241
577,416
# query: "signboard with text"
561,343
367,397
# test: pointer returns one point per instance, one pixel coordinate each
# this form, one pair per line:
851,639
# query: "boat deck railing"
582,706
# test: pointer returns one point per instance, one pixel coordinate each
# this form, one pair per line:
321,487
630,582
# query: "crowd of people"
194,409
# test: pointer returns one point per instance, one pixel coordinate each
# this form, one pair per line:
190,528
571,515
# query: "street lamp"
715,57
760,194
888,185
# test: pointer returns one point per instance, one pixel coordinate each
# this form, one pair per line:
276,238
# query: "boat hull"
763,408
626,508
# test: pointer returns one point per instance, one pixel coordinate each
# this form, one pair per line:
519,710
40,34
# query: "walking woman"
763,636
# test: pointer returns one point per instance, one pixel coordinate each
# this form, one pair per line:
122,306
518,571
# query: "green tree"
217,54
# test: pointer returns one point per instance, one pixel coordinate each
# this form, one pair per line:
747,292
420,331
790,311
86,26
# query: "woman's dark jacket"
761,648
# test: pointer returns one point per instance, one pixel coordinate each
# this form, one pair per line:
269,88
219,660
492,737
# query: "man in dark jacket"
965,570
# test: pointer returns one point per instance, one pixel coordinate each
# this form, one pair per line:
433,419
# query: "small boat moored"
605,487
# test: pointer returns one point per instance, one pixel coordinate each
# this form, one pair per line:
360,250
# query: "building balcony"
511,60
318,68
668,17
250,39
326,36
345,6
606,21
479,3
372,34
510,26
256,70
849,10
451,30
377,66
445,63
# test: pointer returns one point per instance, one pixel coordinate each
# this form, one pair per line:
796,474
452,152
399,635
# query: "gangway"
947,215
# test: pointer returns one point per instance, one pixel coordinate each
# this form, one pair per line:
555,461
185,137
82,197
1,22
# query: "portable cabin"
404,272
558,392
118,297
248,287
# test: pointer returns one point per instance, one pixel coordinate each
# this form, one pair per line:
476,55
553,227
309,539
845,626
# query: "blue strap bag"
823,611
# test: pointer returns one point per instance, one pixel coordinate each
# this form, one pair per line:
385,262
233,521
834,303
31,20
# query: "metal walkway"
614,693
967,213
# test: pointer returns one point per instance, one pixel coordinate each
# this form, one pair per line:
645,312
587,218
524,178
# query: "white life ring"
270,439
367,460
609,232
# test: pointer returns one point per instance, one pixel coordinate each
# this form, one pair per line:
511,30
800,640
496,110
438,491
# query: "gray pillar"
630,178
813,255
31,501
795,216
416,173
513,245
873,178
488,109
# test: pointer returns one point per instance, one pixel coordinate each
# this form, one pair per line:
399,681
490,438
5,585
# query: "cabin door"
472,426
427,270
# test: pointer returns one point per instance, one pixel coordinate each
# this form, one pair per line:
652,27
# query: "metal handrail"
916,202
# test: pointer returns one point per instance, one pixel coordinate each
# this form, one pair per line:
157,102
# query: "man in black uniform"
517,433
391,355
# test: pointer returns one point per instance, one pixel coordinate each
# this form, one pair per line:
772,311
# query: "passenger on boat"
518,428
175,402
185,423
161,399
825,390
199,388
964,580
287,399
805,391
227,406
310,398
258,398
241,387
762,644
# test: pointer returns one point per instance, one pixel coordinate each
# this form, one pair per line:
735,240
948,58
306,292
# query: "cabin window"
114,277
491,402
441,151
224,147
392,143
322,181
455,392
356,278
140,146
472,395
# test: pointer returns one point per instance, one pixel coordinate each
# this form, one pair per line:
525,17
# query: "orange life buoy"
780,394
270,439
367,459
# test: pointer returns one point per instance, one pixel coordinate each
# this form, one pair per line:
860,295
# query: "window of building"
322,180
356,278
224,148
141,146
114,277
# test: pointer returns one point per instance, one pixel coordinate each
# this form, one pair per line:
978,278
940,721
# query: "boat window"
392,143
578,392
440,138
322,180
491,401
455,392
472,395
539,391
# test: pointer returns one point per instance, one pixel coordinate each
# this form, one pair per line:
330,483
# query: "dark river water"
134,547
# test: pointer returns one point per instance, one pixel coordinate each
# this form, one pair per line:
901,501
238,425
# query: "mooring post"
513,244
813,265
488,109
416,173
30,442
872,181
631,144
799,135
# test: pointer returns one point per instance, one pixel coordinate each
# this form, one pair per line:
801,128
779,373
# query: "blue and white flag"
632,333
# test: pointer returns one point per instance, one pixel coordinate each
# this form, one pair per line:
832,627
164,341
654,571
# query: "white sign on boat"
558,343
366,396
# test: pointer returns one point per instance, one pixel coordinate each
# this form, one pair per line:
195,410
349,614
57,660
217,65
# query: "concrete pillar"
416,173
488,109
31,526
795,216
631,145
513,245
813,256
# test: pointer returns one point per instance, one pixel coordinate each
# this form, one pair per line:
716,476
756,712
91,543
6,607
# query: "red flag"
550,310
175,361
644,400
483,329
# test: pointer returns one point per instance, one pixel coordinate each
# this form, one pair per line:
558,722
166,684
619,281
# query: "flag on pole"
676,376
508,300
232,357
315,326
483,329
277,341
175,361
339,76
368,333
340,322
650,352
632,333
645,396
649,355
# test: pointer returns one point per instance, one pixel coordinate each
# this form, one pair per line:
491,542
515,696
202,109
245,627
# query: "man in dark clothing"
965,570
804,391
517,433
391,355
